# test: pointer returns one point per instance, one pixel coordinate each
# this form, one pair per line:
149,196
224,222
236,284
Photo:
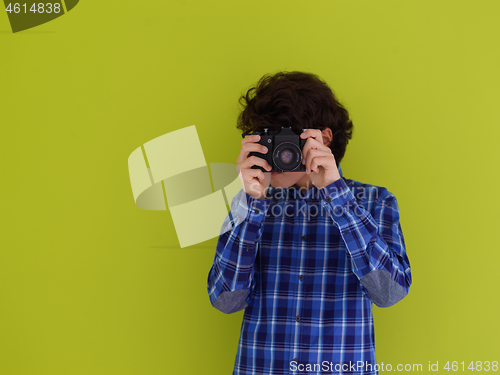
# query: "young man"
306,254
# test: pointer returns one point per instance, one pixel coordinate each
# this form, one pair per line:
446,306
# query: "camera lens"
287,156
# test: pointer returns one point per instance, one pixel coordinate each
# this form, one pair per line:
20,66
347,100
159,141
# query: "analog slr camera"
284,150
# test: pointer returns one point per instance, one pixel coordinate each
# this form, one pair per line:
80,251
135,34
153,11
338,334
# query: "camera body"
284,150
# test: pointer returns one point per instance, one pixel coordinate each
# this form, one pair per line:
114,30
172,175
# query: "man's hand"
318,159
255,182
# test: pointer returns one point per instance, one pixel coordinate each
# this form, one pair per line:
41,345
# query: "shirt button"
247,247
306,200
297,318
301,277
304,238
295,360
346,232
328,199
257,211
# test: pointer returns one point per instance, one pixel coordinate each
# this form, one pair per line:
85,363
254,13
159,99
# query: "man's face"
286,179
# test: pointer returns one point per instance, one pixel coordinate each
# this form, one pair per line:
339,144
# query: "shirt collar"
294,191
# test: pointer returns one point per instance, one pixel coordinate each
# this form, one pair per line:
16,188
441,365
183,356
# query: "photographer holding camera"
315,154
307,283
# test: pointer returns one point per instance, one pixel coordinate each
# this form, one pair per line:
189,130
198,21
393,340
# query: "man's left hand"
318,159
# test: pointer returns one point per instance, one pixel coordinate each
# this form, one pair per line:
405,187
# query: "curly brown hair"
298,100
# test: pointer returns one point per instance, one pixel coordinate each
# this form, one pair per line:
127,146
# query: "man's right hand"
255,182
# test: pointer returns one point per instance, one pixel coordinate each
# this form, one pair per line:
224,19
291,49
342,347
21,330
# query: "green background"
91,284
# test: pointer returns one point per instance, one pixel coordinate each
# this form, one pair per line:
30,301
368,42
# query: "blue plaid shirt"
307,267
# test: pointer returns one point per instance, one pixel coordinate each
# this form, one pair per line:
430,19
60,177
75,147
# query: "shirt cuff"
253,209
336,194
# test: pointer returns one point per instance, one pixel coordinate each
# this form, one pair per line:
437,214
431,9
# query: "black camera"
284,150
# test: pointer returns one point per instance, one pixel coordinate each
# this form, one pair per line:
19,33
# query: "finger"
250,138
250,147
255,160
260,176
322,161
314,133
311,156
312,144
261,184
251,176
255,175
